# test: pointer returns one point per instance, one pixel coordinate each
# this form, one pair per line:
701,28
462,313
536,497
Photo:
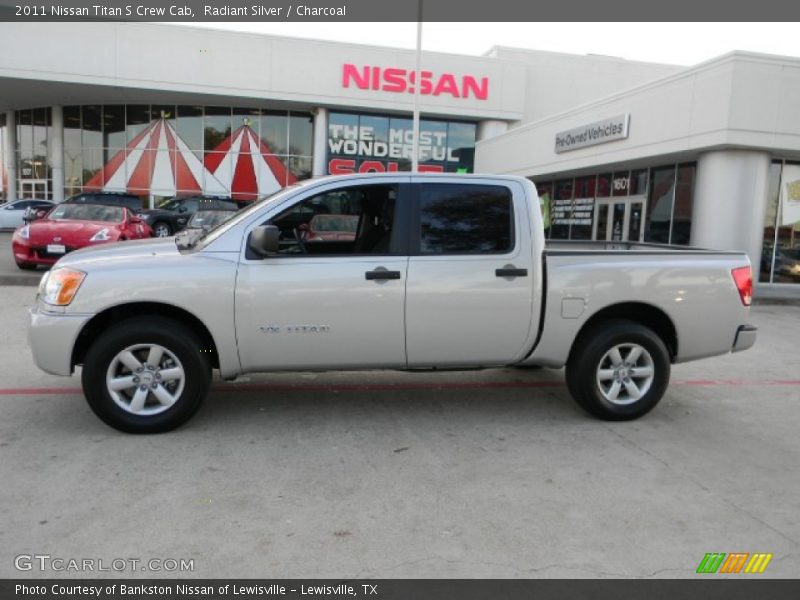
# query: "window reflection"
96,138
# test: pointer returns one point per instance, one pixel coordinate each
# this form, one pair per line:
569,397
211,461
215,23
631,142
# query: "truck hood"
129,251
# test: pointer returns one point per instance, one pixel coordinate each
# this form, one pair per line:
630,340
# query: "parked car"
129,201
70,227
787,263
208,219
203,221
326,228
444,272
12,214
174,214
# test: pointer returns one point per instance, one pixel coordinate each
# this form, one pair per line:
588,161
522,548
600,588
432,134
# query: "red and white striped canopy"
246,166
157,161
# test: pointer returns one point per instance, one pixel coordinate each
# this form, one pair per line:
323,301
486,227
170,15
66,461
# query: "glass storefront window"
4,195
780,254
638,182
275,131
545,191
114,126
137,119
25,134
189,125
610,206
301,134
604,185
217,126
203,159
681,229
659,205
561,209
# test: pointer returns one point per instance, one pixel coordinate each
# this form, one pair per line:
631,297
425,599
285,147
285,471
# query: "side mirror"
263,240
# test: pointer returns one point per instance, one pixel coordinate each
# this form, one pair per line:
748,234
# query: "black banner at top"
398,10
398,589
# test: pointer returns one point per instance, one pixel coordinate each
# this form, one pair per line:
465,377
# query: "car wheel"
618,370
162,229
146,375
26,266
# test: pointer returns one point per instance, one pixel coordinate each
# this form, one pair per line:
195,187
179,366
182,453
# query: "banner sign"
393,79
377,144
600,132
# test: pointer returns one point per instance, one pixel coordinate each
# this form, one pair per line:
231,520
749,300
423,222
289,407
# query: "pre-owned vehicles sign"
600,132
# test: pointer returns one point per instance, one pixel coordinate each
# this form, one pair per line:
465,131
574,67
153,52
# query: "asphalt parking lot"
470,474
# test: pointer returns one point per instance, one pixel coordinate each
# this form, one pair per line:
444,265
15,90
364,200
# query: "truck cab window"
354,220
465,219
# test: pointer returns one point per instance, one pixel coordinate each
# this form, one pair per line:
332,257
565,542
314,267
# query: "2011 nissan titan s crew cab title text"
405,271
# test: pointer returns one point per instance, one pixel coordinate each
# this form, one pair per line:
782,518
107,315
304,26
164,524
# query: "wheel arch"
642,313
122,312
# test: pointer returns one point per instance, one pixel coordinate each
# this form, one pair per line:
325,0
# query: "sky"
673,43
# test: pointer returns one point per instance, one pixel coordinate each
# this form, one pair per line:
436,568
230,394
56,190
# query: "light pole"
417,83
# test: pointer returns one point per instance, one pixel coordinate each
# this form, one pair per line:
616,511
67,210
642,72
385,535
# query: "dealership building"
707,155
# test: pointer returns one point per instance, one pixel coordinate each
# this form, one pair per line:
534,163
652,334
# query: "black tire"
173,336
162,226
26,266
592,346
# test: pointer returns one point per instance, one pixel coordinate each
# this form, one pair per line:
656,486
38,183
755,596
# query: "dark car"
174,214
129,201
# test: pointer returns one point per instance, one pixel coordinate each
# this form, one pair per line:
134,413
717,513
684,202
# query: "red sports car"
69,227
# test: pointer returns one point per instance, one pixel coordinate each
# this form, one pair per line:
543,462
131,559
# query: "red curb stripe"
389,387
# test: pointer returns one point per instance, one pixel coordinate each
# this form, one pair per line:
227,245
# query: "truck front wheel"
146,375
618,370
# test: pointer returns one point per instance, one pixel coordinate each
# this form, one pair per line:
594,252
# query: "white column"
320,158
491,128
10,154
730,196
57,153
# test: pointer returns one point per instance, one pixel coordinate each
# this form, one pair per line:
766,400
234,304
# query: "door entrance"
619,219
34,188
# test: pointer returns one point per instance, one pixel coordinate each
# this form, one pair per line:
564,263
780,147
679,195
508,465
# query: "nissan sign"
609,130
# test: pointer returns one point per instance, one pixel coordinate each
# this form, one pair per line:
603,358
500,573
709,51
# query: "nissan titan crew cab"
390,271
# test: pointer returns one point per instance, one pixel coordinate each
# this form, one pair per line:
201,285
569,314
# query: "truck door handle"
381,274
511,272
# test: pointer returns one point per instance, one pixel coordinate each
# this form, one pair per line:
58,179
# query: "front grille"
43,253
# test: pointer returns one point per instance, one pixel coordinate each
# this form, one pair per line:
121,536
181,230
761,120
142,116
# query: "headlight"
59,286
24,232
101,236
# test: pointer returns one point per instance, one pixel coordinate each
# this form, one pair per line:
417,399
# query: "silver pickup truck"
402,272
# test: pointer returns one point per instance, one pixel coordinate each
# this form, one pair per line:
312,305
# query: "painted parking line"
400,387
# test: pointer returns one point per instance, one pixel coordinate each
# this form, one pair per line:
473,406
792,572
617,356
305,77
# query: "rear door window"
465,219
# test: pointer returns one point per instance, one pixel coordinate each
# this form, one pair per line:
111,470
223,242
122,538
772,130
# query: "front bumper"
52,338
745,338
34,255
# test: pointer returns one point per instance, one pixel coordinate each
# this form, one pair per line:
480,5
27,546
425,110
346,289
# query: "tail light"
743,277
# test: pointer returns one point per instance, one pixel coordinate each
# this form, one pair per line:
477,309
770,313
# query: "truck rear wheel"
146,375
618,370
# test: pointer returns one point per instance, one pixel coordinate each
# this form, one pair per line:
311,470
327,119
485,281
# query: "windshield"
210,218
87,212
169,204
209,236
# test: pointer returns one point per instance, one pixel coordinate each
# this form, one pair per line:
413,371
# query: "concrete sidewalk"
491,473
